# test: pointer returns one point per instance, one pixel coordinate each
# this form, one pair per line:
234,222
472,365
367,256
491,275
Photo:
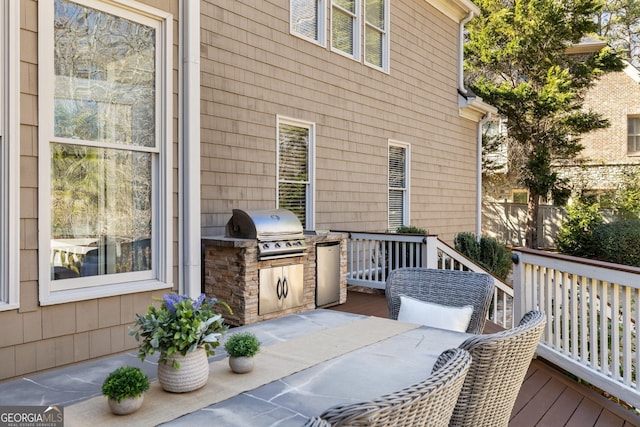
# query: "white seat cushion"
434,315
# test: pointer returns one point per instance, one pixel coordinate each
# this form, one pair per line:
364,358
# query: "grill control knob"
288,244
265,246
277,245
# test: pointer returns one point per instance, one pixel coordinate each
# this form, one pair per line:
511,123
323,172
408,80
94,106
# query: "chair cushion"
435,315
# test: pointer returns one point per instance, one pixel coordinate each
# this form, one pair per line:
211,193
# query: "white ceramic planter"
192,375
241,365
126,406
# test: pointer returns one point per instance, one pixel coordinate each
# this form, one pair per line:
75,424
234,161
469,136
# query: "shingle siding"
254,70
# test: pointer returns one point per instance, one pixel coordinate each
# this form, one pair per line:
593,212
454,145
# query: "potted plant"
241,347
185,332
125,389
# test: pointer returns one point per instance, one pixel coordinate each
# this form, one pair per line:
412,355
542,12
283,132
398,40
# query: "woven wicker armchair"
445,287
500,363
427,403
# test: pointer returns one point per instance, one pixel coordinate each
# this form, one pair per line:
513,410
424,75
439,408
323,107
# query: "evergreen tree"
516,61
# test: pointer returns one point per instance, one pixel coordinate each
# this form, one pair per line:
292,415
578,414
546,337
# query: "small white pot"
241,365
126,406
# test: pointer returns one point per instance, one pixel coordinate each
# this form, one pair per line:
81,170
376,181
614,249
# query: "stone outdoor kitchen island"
232,272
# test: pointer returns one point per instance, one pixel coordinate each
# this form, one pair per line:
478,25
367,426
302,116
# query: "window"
307,18
398,185
633,135
9,155
348,19
345,36
295,169
375,33
105,206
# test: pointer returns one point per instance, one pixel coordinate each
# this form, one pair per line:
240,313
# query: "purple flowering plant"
180,325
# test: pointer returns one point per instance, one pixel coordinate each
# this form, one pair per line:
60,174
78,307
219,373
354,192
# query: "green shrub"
125,382
576,234
618,242
411,229
242,344
489,253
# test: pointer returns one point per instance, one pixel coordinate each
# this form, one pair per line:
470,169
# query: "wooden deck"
547,397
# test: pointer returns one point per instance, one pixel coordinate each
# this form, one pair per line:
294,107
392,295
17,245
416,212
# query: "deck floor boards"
548,398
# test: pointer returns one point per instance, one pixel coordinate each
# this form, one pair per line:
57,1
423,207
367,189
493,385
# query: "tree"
619,23
516,60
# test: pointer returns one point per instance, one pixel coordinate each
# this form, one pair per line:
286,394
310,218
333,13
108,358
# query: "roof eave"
457,10
474,108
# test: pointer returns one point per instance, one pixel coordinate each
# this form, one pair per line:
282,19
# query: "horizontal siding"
254,70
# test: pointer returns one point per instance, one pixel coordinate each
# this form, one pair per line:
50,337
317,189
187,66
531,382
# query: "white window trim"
386,42
10,179
357,31
406,217
162,228
322,24
311,198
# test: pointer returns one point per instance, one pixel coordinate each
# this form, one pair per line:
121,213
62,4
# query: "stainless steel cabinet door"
280,288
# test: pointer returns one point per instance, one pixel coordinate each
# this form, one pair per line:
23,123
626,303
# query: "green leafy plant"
411,229
180,325
125,382
618,242
488,252
576,234
242,344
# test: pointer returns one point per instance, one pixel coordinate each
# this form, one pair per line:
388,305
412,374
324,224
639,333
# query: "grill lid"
264,225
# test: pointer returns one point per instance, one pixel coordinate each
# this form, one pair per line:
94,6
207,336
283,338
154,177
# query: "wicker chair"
500,363
446,287
429,402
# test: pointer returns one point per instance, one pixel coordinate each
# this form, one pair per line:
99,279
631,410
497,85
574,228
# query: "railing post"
431,252
519,288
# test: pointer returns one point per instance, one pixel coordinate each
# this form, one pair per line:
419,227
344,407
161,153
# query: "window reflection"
101,211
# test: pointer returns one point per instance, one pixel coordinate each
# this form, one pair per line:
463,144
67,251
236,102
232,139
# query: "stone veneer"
231,268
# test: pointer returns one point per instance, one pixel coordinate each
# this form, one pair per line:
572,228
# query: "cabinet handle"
279,289
285,287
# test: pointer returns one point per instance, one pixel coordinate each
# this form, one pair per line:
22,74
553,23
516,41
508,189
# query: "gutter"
189,245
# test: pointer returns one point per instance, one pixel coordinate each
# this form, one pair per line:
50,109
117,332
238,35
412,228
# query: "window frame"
356,38
635,135
160,276
321,40
406,190
325,32
385,38
10,156
310,195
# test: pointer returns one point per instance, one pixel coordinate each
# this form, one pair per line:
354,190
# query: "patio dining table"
308,363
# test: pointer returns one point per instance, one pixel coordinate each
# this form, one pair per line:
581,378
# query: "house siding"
253,69
34,337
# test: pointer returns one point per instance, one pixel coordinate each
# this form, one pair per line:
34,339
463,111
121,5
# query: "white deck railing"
371,256
591,308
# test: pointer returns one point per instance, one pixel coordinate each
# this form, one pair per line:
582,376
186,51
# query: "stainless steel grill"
278,232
